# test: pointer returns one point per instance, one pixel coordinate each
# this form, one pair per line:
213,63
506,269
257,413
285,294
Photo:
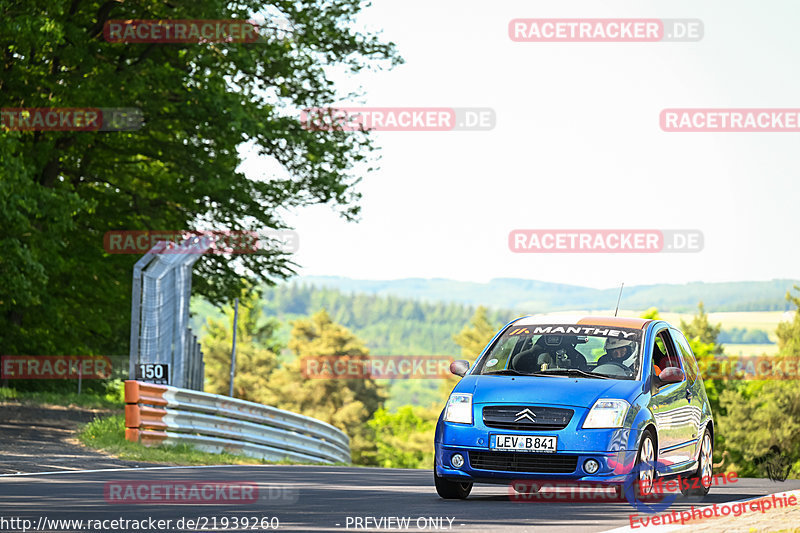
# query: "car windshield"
575,350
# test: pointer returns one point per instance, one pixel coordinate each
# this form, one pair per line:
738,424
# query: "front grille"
509,417
524,462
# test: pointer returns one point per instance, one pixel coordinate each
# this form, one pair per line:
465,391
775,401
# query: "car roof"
607,321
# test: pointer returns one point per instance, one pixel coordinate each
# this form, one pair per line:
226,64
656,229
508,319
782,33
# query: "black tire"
699,483
645,467
451,490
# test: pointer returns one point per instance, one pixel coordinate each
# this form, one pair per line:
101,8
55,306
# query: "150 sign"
157,373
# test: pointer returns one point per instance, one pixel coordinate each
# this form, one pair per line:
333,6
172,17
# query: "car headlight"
459,408
607,414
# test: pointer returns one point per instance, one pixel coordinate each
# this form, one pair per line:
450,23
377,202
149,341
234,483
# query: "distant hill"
388,325
529,296
420,317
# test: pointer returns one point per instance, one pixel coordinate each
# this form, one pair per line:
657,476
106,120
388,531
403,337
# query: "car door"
695,384
671,404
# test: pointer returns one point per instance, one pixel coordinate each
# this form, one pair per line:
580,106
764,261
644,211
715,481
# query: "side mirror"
671,374
460,367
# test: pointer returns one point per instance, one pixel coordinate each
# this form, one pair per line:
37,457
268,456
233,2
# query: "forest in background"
532,296
751,417
390,325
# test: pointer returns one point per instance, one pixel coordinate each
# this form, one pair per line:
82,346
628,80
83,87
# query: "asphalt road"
34,438
315,498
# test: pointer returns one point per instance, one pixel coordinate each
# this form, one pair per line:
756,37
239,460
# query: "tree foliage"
789,332
393,326
404,439
758,415
744,336
702,330
345,403
257,351
651,314
473,338
202,103
761,415
379,322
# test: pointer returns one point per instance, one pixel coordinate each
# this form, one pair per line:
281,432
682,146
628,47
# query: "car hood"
561,390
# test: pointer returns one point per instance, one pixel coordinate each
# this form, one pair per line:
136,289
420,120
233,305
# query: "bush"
404,439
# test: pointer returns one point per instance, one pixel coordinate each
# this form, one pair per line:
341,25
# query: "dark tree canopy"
60,191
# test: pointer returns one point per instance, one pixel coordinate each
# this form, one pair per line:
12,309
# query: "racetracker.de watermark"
398,119
730,120
197,492
765,368
610,30
562,491
55,367
180,31
604,241
376,367
71,118
565,491
213,242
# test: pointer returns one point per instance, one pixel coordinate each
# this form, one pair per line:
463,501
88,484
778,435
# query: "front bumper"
614,450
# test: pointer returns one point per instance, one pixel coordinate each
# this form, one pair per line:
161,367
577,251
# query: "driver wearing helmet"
617,351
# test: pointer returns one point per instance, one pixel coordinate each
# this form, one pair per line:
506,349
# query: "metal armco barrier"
160,414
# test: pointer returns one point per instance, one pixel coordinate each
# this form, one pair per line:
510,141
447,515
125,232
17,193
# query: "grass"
111,399
108,435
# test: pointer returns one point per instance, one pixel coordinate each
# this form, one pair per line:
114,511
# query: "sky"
576,145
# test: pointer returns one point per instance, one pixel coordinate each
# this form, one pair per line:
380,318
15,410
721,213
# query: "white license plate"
523,443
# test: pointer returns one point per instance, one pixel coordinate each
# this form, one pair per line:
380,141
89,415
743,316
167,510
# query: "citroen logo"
525,413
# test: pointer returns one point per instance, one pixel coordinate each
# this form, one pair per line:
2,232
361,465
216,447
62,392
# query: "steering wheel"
628,371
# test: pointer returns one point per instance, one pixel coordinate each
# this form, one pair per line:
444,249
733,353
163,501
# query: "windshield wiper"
507,371
512,372
575,371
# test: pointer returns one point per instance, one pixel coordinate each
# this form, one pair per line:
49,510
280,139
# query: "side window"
690,364
664,353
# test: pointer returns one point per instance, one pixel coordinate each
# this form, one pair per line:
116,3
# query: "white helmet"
613,344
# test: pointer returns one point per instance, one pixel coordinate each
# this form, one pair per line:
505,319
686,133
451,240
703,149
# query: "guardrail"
161,414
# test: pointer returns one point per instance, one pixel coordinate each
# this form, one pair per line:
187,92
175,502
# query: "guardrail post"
143,423
131,405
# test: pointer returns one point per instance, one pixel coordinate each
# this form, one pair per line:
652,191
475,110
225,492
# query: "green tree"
33,221
651,314
256,351
345,403
789,332
702,330
472,339
760,414
404,439
475,336
62,190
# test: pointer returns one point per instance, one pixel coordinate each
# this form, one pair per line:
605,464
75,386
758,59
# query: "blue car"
583,400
